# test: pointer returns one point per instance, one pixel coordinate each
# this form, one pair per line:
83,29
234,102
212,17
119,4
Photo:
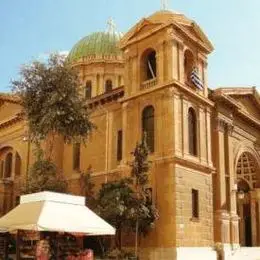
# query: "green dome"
96,44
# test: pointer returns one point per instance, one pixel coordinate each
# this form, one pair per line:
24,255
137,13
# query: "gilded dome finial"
111,25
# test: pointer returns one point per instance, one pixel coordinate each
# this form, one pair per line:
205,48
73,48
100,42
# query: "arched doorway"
248,184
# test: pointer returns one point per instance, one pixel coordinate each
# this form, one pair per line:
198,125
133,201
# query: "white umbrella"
50,211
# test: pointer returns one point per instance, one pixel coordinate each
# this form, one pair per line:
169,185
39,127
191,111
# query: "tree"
146,212
116,204
53,108
86,188
125,203
43,176
51,102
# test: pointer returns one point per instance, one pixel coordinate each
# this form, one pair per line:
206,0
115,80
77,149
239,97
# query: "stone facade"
218,161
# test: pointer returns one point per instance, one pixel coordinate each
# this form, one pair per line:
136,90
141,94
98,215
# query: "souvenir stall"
50,224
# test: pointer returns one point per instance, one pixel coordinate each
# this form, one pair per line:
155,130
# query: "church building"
204,142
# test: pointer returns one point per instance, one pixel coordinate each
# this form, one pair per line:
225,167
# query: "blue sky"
32,28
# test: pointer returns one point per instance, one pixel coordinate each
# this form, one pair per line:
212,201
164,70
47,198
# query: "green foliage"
86,188
116,204
124,204
140,164
43,176
146,212
51,102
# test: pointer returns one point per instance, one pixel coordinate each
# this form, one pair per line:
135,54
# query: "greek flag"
195,79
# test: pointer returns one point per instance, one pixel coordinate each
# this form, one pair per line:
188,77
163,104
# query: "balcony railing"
148,83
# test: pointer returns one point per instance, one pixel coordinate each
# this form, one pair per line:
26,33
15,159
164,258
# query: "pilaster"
208,136
220,165
222,220
160,63
181,74
124,128
101,84
185,140
234,224
177,118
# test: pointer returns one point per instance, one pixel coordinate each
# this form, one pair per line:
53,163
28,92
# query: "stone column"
208,136
160,63
177,118
134,77
181,74
234,220
110,152
124,129
241,224
185,139
101,84
253,217
258,215
13,165
222,217
202,133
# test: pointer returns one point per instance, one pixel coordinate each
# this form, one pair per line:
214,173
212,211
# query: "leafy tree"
53,107
116,204
86,188
51,102
146,212
43,176
125,203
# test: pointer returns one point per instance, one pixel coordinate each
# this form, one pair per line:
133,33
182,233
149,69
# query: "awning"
50,211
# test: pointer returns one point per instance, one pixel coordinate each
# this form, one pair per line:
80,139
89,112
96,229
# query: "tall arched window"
18,163
188,65
88,89
148,126
8,165
192,130
148,65
108,85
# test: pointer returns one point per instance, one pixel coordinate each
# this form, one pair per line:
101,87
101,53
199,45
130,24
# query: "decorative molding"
222,125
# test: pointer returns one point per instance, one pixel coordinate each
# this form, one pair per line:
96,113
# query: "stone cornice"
237,109
178,85
113,95
96,60
12,120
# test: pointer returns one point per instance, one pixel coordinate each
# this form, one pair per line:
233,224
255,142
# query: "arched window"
148,126
8,165
148,65
18,163
192,129
108,85
188,65
88,89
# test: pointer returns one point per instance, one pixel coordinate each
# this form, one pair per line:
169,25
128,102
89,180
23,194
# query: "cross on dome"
164,4
111,25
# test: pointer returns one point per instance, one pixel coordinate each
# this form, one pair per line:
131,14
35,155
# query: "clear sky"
33,28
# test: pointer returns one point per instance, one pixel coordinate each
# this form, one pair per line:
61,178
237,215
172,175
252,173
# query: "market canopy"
50,211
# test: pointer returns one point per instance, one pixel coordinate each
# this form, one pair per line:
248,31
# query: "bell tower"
165,48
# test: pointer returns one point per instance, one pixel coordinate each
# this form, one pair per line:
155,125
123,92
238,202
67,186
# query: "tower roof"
162,19
97,44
